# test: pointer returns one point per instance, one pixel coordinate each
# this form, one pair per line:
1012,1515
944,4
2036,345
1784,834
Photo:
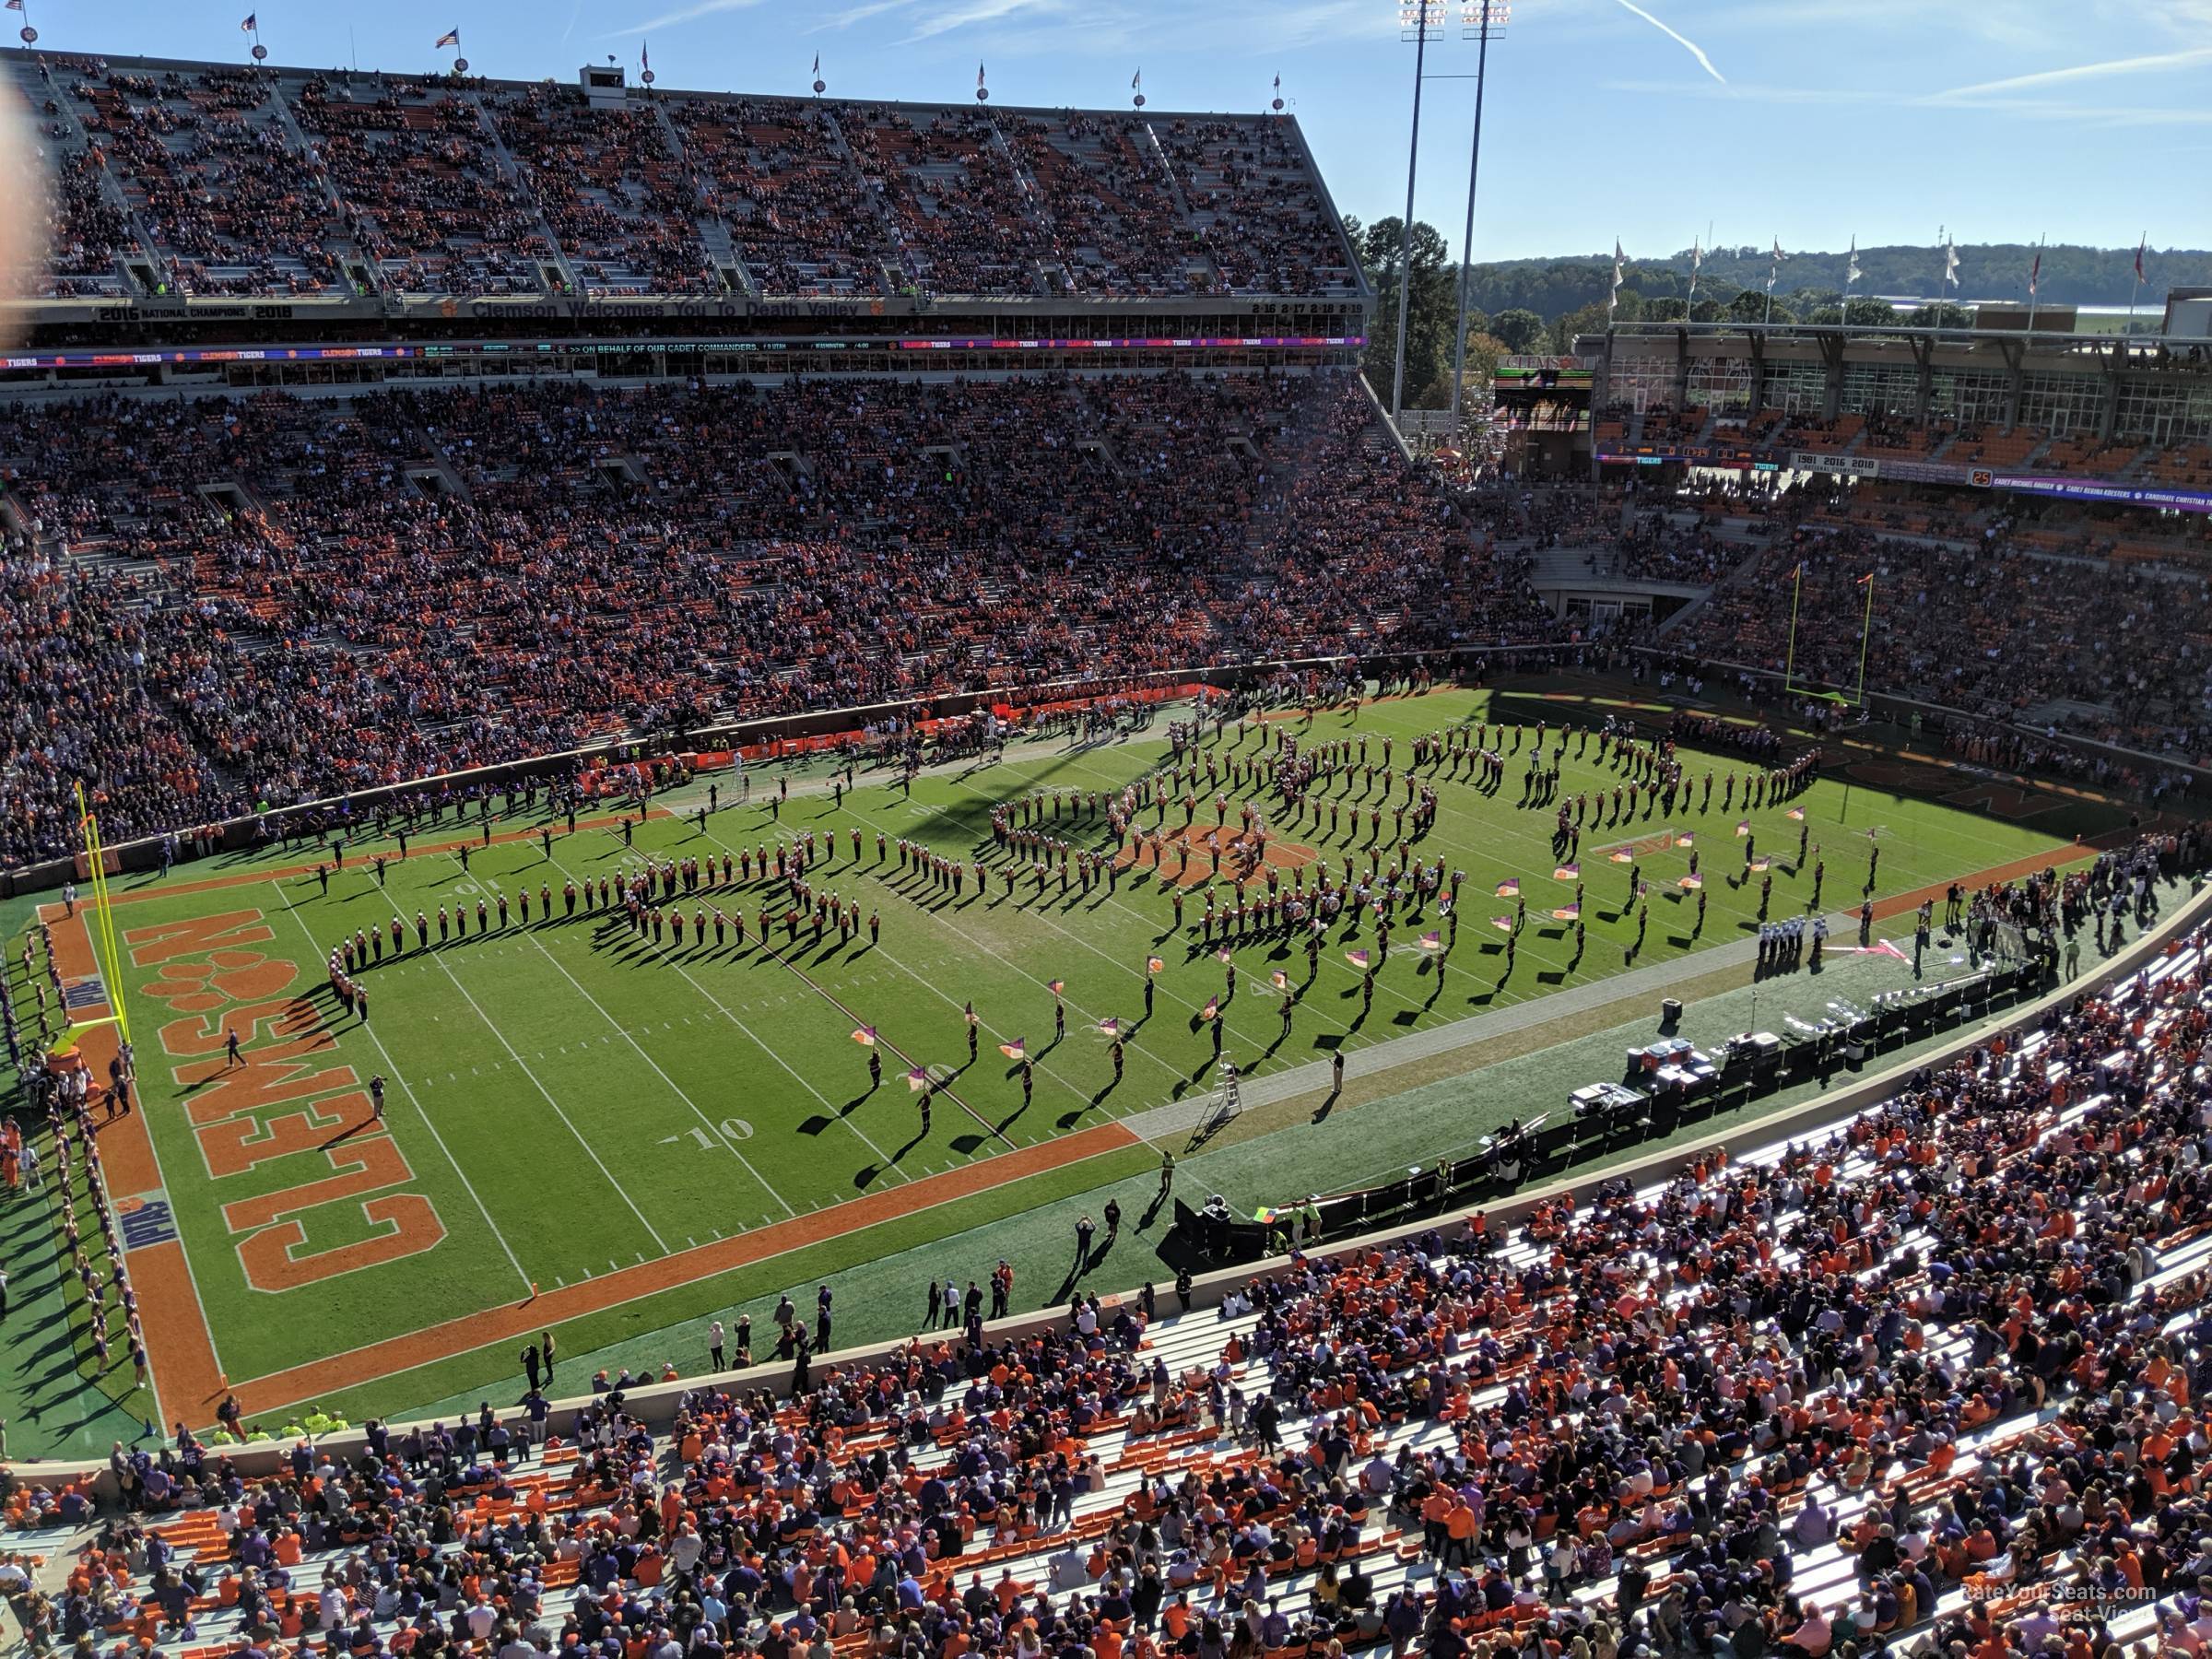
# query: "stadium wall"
657,1405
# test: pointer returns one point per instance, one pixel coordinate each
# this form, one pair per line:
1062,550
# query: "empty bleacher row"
1926,1380
202,178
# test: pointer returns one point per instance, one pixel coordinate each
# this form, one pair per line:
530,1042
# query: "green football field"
607,1135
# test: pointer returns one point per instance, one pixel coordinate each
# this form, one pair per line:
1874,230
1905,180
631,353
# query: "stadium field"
601,1134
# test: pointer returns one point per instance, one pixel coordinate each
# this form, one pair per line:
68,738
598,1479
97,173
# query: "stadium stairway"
713,230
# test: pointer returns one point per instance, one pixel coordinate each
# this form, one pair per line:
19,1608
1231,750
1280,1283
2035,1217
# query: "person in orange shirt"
1175,1618
1460,1526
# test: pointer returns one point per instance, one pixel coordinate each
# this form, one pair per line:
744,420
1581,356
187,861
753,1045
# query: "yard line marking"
400,1078
674,1088
1436,844
558,1113
800,1077
1388,989
875,874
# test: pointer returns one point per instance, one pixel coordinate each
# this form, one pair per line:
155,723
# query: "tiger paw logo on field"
227,976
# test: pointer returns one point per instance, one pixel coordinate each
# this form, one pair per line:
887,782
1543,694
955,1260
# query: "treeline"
1540,305
2071,276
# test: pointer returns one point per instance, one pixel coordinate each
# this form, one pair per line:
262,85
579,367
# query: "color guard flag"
1623,856
1013,1050
1567,913
1509,889
1693,881
917,1080
1795,815
866,1036
1279,980
1685,839
1759,865
1109,1027
1502,924
1055,986
1154,965
1743,828
1358,959
1432,941
1568,872
1224,954
451,37
1212,1010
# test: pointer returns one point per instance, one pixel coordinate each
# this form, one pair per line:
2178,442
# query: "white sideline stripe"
399,1077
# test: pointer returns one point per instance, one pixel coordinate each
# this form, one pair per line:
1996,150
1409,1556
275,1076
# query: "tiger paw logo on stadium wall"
449,307
227,976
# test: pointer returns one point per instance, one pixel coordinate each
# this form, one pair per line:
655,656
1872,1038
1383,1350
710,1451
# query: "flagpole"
1866,635
2035,281
1789,667
2138,292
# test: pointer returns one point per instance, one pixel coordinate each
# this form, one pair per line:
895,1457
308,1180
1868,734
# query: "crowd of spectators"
247,182
303,596
611,189
1930,1376
424,191
221,191
2109,650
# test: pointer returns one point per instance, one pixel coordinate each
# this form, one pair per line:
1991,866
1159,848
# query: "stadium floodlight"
1415,15
1479,20
1484,19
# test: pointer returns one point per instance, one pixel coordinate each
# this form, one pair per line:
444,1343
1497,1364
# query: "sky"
1809,121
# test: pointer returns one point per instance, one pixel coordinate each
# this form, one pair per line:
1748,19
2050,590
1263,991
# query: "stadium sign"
1857,466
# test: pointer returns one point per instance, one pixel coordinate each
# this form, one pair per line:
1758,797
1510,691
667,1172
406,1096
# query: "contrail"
1687,44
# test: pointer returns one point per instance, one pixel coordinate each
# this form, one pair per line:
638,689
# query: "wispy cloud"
975,11
2150,64
1686,44
2042,109
688,14
859,14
